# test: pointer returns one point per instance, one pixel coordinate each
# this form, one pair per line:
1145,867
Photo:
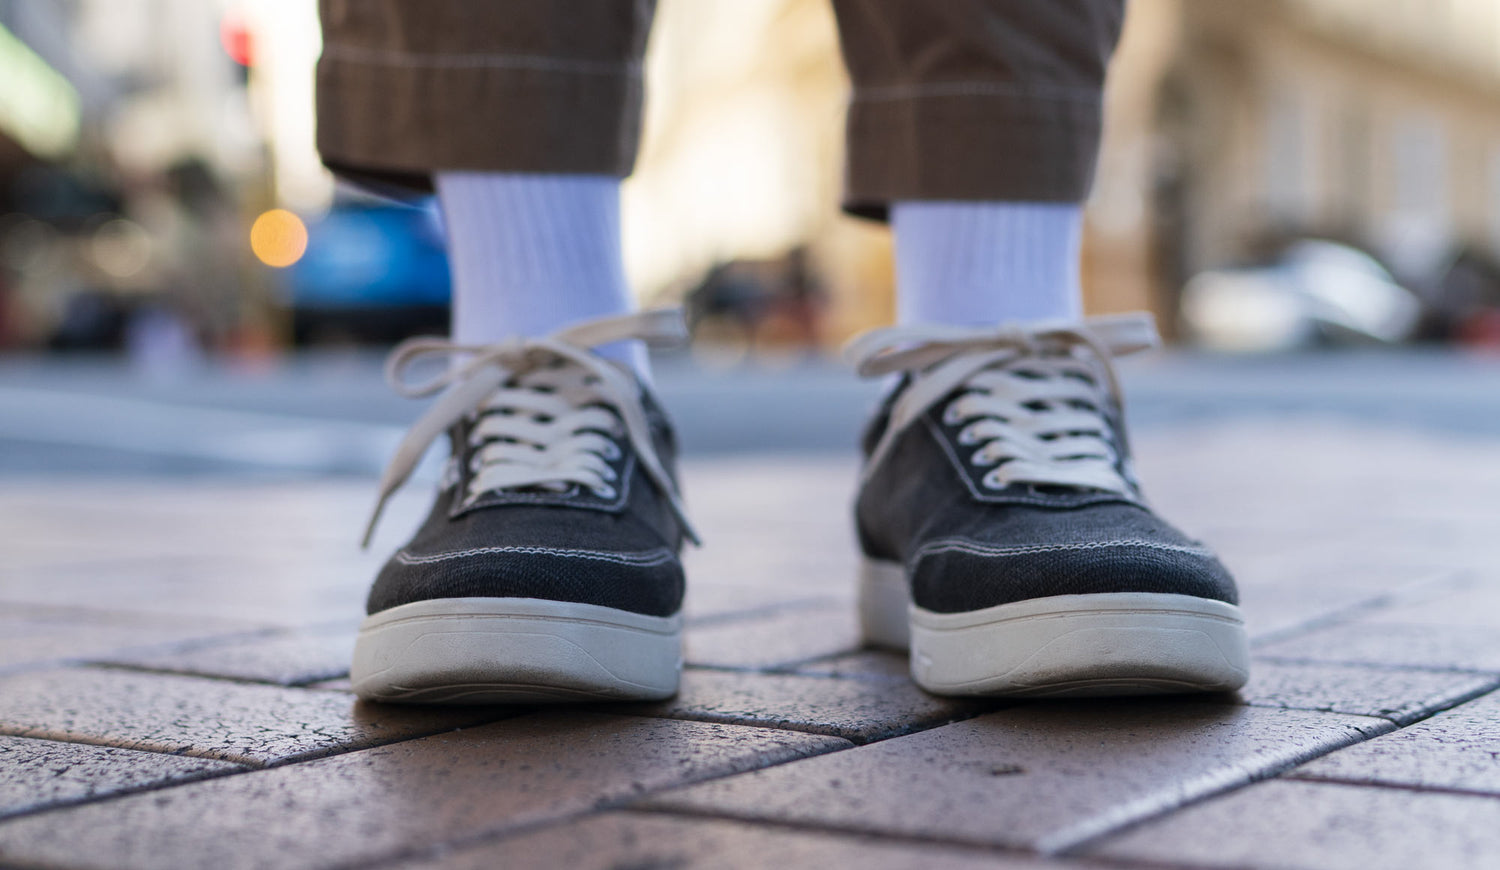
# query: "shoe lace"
1029,397
542,408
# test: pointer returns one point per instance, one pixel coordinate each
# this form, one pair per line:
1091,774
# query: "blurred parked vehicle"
375,273
770,308
1465,300
1314,292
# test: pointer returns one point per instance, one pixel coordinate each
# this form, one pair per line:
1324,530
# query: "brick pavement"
171,692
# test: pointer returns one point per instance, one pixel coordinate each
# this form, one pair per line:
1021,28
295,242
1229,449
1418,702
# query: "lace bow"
1027,397
560,433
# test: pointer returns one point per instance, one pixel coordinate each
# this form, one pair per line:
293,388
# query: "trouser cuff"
384,120
969,146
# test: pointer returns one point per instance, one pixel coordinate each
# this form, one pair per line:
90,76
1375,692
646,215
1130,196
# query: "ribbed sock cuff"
976,263
532,253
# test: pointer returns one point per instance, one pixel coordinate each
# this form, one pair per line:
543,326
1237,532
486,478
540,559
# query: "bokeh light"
234,36
121,248
278,238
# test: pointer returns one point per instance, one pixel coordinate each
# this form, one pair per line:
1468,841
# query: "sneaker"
548,568
1005,538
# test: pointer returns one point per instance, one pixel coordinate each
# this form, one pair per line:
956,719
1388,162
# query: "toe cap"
649,582
958,575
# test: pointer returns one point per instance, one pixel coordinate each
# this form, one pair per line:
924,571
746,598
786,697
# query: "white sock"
985,263
531,253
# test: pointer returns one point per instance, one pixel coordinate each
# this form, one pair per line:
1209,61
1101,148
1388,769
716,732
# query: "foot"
548,568
1005,538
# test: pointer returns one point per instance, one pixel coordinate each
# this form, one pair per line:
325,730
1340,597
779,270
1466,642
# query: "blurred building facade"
1232,124
1229,124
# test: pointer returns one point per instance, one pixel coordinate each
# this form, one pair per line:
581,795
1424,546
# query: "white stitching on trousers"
644,560
386,57
974,89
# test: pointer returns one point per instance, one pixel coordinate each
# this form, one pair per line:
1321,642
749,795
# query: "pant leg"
408,87
974,99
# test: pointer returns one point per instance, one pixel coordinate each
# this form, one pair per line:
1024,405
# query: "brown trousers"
952,99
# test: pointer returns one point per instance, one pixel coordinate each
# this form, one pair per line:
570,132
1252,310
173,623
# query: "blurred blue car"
371,273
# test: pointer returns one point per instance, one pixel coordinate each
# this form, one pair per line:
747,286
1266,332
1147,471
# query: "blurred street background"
1276,175
1305,192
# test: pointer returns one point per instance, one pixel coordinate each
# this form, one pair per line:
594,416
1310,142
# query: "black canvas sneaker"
1005,538
548,568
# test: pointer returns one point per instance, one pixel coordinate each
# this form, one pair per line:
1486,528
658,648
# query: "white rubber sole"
1123,643
515,650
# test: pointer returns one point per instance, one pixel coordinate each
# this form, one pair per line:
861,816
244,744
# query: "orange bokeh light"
278,238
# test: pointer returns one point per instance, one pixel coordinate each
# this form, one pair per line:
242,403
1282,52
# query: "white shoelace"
542,406
1029,396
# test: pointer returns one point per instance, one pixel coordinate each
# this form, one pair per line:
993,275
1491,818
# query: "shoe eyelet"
982,458
952,415
605,491
611,475
611,451
967,437
993,481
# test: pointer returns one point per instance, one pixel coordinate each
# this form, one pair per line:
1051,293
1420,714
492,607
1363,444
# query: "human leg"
524,130
974,126
1005,535
531,253
547,568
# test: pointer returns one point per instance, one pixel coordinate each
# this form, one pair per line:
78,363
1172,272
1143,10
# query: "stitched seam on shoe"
958,465
386,57
977,549
644,559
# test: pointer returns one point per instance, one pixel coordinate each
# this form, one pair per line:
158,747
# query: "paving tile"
1041,777
1320,826
1390,644
289,657
1455,749
1275,610
250,724
39,773
870,664
35,633
777,640
616,840
282,589
858,710
340,685
798,505
295,555
713,602
1401,695
1475,603
1282,589
405,797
